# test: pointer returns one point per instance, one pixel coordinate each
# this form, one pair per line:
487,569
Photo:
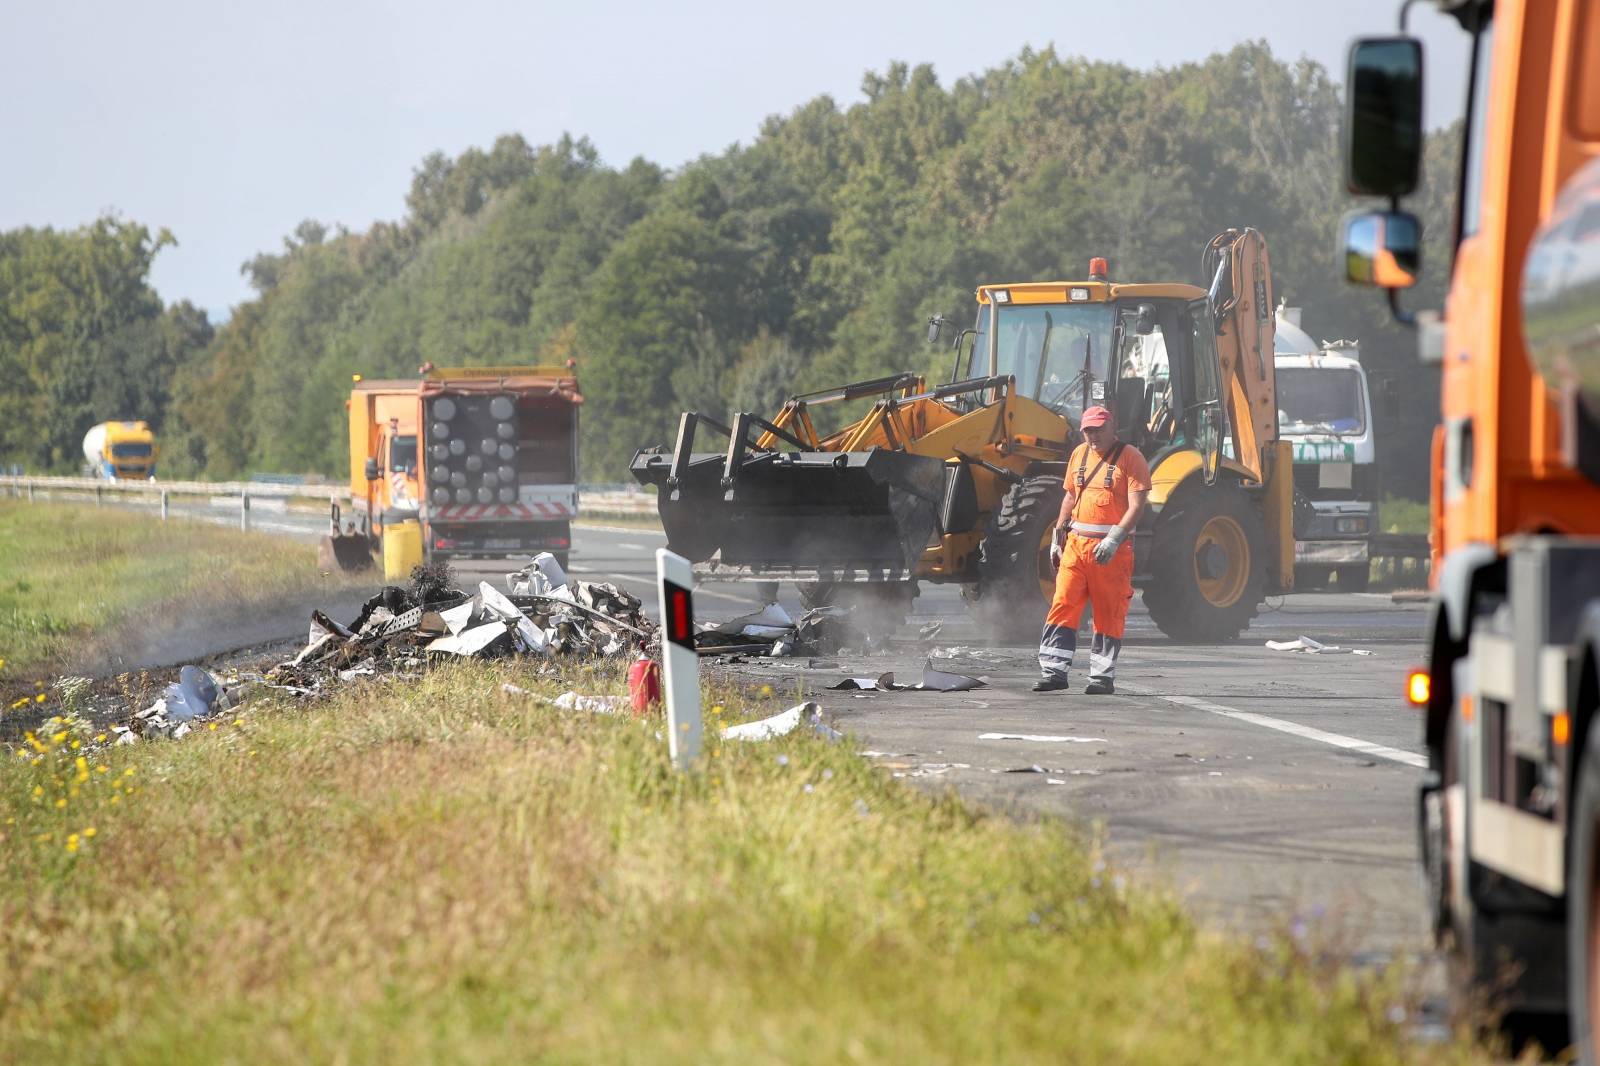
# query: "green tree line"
812,255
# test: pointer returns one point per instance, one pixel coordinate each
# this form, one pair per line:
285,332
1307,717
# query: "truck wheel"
1015,579
1208,565
1354,578
1311,578
1444,860
1583,905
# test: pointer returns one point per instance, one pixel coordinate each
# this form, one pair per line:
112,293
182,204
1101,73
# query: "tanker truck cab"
1325,413
120,451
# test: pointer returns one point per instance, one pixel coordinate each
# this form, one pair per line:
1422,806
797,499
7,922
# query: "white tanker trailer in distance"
120,451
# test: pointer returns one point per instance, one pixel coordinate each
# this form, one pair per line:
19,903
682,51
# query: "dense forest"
813,255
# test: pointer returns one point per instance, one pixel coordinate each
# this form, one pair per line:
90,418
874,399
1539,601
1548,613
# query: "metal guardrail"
98,487
606,501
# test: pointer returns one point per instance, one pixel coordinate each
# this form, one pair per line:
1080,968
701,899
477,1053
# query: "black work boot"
1099,686
1051,683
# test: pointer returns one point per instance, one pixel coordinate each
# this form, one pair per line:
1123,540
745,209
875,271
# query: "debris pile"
773,632
400,629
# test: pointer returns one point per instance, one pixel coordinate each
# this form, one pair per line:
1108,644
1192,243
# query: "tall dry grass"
439,870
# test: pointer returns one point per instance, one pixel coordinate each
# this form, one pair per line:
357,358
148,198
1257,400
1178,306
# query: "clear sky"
229,123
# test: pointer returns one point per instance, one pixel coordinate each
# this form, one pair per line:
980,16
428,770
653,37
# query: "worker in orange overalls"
1108,487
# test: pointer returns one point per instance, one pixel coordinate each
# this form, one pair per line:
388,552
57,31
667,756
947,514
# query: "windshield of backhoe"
1044,346
1320,400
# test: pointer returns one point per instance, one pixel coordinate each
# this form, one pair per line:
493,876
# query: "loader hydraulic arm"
1241,300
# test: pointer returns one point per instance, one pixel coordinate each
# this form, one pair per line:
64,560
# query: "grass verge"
71,575
438,870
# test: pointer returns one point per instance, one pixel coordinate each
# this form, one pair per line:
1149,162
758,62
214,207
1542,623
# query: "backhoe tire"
1015,579
1208,565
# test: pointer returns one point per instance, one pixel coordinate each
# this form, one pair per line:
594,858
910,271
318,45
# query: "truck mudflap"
756,514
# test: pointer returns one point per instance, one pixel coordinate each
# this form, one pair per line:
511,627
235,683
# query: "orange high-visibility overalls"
1101,501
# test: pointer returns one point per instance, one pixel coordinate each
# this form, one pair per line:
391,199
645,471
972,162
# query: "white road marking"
1365,747
625,546
638,531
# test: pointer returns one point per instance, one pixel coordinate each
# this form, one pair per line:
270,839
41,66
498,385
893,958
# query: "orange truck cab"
1509,812
485,458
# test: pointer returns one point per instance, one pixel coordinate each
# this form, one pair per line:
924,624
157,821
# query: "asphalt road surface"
1271,788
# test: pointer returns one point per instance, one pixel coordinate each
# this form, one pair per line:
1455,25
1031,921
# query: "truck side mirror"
935,324
1382,248
371,469
1383,116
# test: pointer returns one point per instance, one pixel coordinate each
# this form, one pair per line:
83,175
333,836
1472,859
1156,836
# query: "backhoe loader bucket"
798,515
345,547
347,553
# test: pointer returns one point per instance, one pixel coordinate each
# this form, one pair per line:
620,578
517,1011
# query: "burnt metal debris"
400,629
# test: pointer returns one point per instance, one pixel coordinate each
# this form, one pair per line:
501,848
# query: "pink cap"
1094,416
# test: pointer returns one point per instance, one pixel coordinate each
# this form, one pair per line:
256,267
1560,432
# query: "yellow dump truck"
484,459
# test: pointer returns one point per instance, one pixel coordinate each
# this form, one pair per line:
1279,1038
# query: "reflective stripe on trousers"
1103,656
1056,646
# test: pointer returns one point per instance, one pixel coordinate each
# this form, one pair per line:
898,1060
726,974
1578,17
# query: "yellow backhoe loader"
963,482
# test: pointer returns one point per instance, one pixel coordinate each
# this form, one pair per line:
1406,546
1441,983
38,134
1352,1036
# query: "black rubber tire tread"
1009,598
1580,882
1354,578
1172,595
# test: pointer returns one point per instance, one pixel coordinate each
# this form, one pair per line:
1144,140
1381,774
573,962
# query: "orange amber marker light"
1560,729
1418,687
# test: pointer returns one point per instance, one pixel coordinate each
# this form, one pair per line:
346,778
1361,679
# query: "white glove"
1055,554
1109,544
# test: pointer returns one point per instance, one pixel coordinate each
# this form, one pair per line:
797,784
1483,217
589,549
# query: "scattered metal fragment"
783,724
573,701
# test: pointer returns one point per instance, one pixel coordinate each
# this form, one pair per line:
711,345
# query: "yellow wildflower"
89,832
38,790
57,738
102,768
116,799
128,772
60,803
40,698
213,727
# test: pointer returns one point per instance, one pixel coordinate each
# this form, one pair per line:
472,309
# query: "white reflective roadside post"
680,662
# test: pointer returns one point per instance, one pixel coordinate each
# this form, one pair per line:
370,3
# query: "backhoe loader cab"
963,482
1074,346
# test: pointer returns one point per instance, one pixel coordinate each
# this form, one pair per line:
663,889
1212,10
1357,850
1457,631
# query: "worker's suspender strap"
1107,461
